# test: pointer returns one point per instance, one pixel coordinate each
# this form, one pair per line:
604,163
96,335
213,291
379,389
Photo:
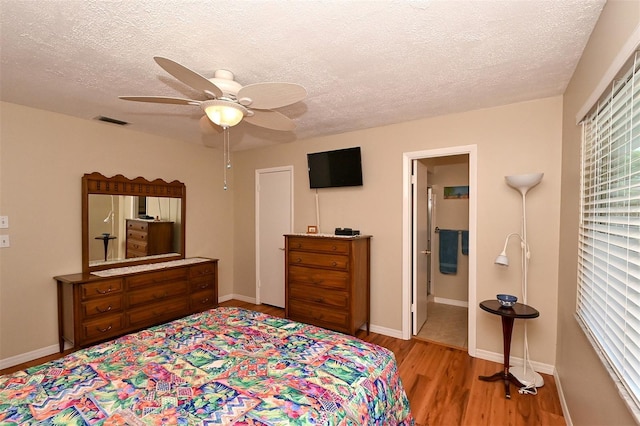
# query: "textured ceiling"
363,63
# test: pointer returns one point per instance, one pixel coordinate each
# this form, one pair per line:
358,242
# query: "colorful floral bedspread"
224,366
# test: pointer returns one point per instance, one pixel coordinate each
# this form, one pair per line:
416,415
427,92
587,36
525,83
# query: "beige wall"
591,397
42,159
519,138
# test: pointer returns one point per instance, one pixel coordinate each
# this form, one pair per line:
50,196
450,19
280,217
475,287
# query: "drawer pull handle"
205,300
104,330
104,291
103,310
204,285
162,296
334,264
298,260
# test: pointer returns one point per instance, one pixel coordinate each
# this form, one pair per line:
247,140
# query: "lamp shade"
523,183
224,113
502,259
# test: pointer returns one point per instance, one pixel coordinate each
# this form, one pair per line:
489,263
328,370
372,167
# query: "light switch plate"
4,221
4,241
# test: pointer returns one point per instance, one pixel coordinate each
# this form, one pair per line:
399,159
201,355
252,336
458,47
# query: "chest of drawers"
327,281
92,308
148,237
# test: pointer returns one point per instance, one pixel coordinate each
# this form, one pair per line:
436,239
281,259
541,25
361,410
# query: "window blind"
608,297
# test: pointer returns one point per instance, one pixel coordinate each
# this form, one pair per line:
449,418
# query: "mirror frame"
96,183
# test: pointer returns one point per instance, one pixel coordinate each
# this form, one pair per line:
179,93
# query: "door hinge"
413,307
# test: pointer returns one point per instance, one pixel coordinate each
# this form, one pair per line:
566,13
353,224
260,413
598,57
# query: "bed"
223,366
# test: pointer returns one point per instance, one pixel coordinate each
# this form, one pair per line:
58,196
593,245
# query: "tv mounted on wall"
342,167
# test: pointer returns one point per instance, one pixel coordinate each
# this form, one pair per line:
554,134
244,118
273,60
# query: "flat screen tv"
342,167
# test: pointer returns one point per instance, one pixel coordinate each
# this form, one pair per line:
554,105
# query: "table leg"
106,248
507,330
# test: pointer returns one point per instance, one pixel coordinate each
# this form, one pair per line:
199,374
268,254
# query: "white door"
274,218
421,249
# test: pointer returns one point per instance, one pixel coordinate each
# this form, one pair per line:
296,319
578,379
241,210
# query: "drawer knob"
104,330
103,310
205,300
104,291
334,264
334,248
204,285
299,245
298,260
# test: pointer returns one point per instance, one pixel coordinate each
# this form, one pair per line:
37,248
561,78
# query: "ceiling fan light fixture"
224,113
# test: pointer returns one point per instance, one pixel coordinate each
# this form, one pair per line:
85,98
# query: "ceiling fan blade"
271,95
207,126
189,77
271,120
161,100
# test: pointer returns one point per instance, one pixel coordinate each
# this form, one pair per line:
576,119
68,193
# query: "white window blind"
608,299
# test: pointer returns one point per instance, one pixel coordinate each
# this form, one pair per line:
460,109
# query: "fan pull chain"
226,148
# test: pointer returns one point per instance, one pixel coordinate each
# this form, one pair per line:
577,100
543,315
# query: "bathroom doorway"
447,216
450,294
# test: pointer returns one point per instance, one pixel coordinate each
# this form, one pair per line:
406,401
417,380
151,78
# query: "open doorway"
441,214
409,314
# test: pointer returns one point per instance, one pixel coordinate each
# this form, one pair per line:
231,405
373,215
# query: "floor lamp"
523,183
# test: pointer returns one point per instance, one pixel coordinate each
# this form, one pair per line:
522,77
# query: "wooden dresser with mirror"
114,294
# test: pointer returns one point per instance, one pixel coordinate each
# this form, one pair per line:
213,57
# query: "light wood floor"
442,384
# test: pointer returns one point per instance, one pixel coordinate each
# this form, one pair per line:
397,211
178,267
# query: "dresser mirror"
127,222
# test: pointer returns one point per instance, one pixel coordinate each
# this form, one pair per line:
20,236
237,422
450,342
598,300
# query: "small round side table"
509,315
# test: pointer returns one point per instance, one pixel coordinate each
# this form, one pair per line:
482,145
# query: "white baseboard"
453,302
499,358
237,297
30,356
563,401
383,330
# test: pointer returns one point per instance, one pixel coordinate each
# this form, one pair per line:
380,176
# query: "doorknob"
281,248
426,252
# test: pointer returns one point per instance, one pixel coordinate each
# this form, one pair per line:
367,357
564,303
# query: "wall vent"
111,120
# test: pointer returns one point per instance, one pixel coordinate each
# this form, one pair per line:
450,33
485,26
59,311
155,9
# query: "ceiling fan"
226,102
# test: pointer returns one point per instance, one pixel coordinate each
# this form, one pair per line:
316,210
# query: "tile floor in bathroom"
446,324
